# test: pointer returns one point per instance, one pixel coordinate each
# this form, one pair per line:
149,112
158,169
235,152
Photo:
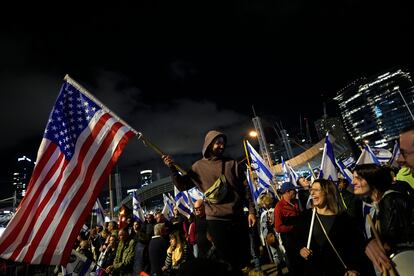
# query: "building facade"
375,109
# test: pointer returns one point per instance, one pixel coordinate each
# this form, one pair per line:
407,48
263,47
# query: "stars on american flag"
70,116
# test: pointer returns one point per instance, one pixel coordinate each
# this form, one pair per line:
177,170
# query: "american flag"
81,143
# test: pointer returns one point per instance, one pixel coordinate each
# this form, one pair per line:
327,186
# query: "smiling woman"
332,250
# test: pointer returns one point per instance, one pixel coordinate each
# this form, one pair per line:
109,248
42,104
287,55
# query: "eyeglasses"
315,190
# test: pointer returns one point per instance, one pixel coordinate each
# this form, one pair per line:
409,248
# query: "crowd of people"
322,227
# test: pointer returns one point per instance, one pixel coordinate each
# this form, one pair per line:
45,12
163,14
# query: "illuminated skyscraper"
375,109
21,176
146,177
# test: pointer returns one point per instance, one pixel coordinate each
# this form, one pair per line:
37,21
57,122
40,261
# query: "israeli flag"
262,171
328,170
344,171
256,190
183,205
395,154
195,194
168,210
367,157
98,211
137,211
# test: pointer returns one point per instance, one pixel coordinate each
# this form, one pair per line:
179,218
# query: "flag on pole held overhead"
195,194
346,173
183,204
367,157
82,142
261,170
98,211
328,170
256,190
137,211
169,204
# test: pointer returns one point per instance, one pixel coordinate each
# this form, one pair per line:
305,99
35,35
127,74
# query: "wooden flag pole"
158,151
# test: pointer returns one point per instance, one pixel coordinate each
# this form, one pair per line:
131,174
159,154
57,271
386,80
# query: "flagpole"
310,168
249,166
141,137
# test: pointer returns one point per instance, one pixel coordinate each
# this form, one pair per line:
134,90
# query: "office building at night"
375,109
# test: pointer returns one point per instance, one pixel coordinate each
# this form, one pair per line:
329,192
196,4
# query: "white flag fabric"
261,170
346,173
183,205
328,170
81,144
78,265
98,211
367,157
168,210
195,194
137,211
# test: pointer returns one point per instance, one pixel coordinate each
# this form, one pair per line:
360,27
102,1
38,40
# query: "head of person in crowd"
288,191
406,157
343,184
265,201
303,182
176,212
123,235
176,240
112,226
113,242
371,180
159,217
149,218
324,194
99,228
199,210
216,147
159,229
136,226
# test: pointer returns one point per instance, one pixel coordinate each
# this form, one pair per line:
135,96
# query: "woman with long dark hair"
336,243
392,212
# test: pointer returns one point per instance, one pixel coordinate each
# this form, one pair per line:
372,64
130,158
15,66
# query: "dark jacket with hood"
206,171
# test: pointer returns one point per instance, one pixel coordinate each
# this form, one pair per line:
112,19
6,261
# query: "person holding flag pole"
226,192
334,245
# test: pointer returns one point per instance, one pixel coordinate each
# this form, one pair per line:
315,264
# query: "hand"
168,160
305,253
377,255
251,219
109,269
352,273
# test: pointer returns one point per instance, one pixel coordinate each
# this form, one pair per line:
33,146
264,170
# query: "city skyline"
175,71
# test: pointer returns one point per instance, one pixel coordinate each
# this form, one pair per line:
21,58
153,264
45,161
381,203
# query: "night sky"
178,69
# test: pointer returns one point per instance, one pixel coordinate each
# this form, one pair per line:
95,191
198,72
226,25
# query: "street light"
253,134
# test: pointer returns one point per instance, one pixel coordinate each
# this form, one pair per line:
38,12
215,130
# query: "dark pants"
231,239
295,261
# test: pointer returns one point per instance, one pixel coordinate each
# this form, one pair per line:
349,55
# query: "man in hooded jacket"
226,222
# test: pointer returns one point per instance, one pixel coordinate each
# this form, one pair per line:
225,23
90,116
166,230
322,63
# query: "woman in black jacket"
343,252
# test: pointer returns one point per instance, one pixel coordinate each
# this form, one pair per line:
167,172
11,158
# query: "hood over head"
210,136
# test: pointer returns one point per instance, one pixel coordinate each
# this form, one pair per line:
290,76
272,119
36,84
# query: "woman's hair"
331,195
377,177
177,237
